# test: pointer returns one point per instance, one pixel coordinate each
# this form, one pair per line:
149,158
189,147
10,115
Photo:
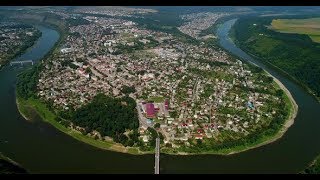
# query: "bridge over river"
157,157
21,62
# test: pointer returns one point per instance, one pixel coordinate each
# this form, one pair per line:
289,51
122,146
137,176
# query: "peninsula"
118,85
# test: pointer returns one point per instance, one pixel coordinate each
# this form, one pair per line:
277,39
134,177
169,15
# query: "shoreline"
14,167
19,53
116,147
287,124
101,144
280,70
19,109
286,74
41,109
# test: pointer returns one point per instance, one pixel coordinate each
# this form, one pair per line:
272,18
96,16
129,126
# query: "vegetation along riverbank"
112,123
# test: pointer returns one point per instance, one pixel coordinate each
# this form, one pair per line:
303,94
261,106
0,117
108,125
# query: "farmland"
310,27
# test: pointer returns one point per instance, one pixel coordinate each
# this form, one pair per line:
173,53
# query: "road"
142,119
157,157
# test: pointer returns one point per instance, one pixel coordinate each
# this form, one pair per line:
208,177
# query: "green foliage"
26,42
75,34
157,125
127,90
27,82
161,137
77,21
122,49
165,22
314,167
88,70
174,114
109,116
295,54
279,93
154,136
229,142
134,136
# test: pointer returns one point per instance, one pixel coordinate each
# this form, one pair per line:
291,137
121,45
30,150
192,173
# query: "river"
40,148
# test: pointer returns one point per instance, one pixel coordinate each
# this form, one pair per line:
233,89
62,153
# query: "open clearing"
310,27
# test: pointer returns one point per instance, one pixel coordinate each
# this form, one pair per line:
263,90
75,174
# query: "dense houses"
114,10
13,37
197,22
186,91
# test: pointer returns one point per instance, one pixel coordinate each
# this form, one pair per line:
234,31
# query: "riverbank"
21,51
33,108
270,60
288,123
313,167
266,139
284,73
8,166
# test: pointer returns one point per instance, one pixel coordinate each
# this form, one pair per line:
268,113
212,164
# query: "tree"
157,125
161,137
27,82
88,70
279,92
154,136
127,90
109,116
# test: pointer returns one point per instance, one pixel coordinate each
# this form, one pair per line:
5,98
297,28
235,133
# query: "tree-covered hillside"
293,53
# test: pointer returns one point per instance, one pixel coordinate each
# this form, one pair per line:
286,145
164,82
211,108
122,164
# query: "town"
187,92
197,22
15,38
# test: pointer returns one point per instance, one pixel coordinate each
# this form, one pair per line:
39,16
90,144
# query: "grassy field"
157,99
310,27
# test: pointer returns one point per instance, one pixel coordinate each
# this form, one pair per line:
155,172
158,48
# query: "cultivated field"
310,27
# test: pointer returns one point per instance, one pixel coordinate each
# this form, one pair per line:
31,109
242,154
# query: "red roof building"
200,131
150,110
198,136
166,104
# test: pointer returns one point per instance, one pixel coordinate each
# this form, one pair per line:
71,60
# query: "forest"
109,116
27,82
294,54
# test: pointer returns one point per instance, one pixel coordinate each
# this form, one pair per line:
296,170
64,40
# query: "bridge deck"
157,157
21,62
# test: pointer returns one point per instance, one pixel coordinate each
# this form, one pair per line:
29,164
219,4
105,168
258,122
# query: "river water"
40,148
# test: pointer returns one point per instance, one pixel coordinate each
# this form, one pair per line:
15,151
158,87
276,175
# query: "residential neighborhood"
197,22
187,92
14,38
